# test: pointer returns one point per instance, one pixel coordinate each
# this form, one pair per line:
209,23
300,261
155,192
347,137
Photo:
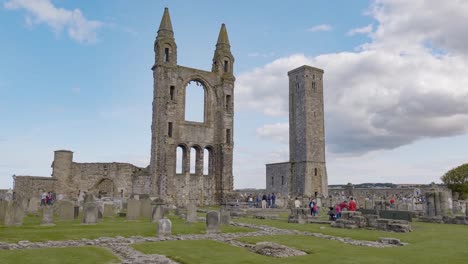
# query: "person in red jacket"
352,205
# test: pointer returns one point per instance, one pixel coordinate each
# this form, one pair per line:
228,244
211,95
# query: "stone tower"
307,132
213,137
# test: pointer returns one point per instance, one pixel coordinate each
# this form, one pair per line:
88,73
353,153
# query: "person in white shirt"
297,203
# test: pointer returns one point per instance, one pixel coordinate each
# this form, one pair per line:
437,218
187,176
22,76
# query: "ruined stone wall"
170,130
277,179
33,186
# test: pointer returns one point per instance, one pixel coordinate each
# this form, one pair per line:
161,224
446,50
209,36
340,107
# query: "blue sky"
76,75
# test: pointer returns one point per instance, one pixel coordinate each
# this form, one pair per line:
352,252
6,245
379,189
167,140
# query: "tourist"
338,211
392,202
273,200
269,200
44,198
315,209
343,205
257,201
331,214
264,202
352,205
297,203
311,206
250,199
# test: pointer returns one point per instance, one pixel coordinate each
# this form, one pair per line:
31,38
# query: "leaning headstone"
109,210
145,208
225,217
133,209
66,210
47,215
191,213
158,213
164,227
212,222
90,213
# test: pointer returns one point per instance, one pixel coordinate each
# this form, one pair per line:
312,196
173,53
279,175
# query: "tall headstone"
164,227
212,222
33,205
47,215
66,210
430,204
437,203
14,213
191,213
109,210
90,213
444,203
133,209
225,216
146,209
158,213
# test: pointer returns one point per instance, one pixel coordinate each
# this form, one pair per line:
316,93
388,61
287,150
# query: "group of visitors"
47,198
313,205
335,212
264,201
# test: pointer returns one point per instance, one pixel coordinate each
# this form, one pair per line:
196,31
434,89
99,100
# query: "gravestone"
88,198
47,215
225,217
191,213
430,204
76,212
396,215
133,209
14,213
158,213
444,203
109,210
3,206
66,210
164,227
90,213
33,205
212,222
146,209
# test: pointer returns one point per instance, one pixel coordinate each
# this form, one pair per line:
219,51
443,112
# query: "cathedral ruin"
211,139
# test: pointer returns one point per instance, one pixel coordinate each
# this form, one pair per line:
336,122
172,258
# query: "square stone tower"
211,141
305,174
307,132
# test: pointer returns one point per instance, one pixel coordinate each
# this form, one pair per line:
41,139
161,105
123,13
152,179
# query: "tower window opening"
166,54
169,129
314,88
172,91
228,136
315,171
272,181
228,103
282,180
226,66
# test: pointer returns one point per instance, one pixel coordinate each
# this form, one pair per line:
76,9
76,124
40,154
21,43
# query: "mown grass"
428,243
82,255
108,227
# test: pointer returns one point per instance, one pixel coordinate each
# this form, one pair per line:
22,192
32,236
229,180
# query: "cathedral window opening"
166,54
193,160
180,160
228,136
171,92
169,129
226,66
195,102
315,171
228,103
206,161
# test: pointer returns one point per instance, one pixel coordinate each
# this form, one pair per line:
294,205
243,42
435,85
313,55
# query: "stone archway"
105,187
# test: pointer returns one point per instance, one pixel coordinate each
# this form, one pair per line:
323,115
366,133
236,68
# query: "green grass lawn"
108,227
429,243
82,255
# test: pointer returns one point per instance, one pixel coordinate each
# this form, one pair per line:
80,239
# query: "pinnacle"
223,36
166,24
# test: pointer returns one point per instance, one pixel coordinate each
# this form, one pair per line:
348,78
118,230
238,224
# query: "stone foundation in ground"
352,220
457,220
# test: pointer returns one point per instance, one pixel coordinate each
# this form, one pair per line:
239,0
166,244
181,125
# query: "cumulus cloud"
362,30
278,132
322,27
391,92
73,21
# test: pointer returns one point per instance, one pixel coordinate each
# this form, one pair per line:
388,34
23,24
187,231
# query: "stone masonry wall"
277,178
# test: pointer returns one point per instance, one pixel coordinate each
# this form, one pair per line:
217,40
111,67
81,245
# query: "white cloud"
73,21
395,90
322,27
278,132
362,30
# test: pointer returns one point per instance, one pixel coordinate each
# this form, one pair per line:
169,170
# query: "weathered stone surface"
191,213
109,210
47,215
298,215
164,227
33,205
212,222
13,213
391,241
66,210
158,213
276,250
225,217
146,208
133,209
90,213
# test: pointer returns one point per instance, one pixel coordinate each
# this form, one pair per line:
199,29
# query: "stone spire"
166,26
223,38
